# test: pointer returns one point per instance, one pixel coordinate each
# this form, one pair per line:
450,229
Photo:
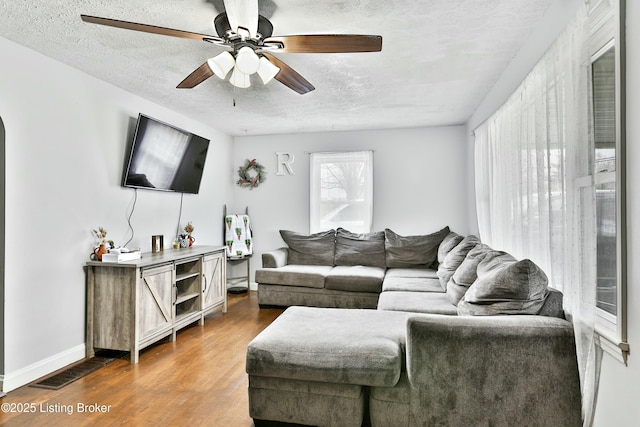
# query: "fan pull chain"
234,96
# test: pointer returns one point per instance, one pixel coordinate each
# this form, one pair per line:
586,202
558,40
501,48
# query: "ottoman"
314,365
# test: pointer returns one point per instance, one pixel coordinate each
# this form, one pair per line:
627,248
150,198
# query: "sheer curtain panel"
531,157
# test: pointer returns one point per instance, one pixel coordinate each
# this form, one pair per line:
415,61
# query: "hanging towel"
238,236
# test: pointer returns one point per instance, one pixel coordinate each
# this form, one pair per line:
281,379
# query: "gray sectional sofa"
461,335
384,270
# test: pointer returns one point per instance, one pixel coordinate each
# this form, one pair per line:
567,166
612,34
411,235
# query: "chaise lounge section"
336,367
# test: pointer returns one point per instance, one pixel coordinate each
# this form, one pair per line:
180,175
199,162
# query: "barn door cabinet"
133,304
214,276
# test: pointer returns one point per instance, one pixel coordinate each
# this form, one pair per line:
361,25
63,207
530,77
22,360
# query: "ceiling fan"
249,46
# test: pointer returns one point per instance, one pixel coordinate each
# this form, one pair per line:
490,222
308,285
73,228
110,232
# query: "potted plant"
186,237
102,245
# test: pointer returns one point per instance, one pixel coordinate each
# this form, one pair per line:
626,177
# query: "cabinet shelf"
186,276
186,297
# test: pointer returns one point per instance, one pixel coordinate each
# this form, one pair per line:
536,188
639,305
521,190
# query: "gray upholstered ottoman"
310,365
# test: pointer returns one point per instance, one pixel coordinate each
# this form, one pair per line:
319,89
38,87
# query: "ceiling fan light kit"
221,64
248,36
239,79
267,71
247,61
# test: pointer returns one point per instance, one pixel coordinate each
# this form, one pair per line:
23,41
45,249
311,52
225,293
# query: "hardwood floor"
198,380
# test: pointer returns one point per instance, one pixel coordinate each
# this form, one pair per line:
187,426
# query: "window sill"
615,348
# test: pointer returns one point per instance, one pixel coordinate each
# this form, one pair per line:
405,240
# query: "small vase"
191,240
99,251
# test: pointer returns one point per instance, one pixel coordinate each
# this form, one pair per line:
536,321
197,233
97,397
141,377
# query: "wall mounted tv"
164,157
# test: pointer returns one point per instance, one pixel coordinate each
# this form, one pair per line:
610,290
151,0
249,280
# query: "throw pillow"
450,241
360,249
454,258
412,251
505,287
494,260
466,274
310,249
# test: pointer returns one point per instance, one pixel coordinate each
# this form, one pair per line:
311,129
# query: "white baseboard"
23,376
253,286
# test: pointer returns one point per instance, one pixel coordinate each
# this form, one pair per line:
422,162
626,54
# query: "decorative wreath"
249,180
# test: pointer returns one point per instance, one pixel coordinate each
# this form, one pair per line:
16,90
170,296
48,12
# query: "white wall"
420,178
66,134
619,384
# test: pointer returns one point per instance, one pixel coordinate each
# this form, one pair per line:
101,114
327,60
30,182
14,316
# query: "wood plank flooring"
198,380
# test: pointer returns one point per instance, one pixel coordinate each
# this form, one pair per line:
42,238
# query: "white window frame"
607,32
316,200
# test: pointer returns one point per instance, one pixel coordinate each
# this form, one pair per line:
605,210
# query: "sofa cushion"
466,274
494,260
360,249
356,278
310,249
450,241
331,345
311,276
417,302
427,273
411,284
412,251
505,286
454,258
279,295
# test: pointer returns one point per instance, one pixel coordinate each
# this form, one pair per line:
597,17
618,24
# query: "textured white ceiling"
439,58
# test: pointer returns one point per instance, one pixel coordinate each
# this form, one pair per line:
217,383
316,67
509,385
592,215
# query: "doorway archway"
2,230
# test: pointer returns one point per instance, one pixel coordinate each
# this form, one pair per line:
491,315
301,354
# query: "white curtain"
531,157
341,191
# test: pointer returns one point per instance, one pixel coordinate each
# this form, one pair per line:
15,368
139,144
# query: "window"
607,176
604,129
341,191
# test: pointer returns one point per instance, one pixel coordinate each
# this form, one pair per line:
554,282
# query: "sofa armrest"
275,258
494,370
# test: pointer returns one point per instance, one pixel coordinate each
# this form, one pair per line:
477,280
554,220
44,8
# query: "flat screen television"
164,157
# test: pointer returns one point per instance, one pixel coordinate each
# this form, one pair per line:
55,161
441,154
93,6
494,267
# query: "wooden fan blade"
199,75
327,43
289,77
242,14
150,29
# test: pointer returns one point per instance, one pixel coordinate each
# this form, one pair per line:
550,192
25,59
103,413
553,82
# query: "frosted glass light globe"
247,62
221,64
